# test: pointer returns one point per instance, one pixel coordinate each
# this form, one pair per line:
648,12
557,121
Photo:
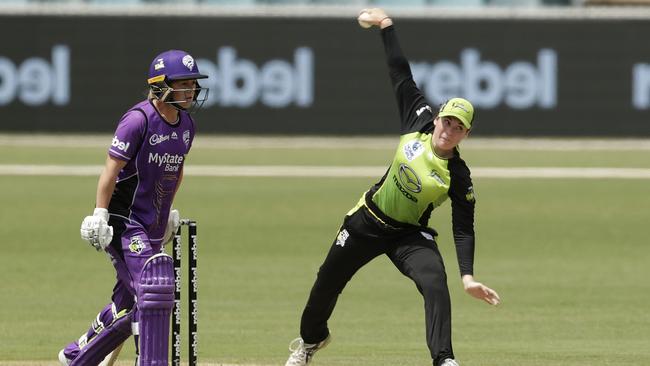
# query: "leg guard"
104,342
155,302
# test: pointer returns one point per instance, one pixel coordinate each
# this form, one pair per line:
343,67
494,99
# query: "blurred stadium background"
300,122
329,2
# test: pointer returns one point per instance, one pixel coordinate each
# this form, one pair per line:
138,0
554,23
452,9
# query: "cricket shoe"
449,362
302,353
64,360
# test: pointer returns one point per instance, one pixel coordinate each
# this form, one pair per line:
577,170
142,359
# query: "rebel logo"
519,85
36,81
116,143
275,83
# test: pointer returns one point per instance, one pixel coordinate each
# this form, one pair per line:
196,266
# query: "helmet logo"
160,64
459,106
188,61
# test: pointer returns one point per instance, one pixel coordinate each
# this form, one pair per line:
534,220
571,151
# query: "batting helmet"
175,65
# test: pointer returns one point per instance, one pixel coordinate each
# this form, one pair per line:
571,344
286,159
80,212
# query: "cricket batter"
133,217
392,217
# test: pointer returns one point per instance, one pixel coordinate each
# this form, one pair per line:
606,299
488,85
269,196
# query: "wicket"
192,292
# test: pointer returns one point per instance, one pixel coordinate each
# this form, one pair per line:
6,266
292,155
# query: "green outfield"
569,258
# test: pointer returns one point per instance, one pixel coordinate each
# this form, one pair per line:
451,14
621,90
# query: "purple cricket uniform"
140,205
139,208
155,151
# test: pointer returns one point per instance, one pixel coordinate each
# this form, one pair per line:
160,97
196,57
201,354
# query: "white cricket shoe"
449,362
64,360
301,352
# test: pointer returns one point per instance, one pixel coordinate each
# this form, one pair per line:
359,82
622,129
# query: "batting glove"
173,223
95,229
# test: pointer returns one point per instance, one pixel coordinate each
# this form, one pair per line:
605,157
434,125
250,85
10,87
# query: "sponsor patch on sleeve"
342,237
469,196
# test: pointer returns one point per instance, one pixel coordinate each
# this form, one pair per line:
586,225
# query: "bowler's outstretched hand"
480,291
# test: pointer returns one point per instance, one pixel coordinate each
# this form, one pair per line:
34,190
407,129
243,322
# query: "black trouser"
414,253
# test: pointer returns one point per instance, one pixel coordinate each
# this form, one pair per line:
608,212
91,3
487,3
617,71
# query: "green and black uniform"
392,217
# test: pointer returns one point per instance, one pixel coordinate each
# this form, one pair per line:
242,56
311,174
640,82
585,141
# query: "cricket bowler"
392,217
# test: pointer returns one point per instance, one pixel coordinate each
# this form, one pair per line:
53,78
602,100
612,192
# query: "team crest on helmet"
188,61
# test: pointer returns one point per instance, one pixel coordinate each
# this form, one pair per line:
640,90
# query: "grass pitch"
567,256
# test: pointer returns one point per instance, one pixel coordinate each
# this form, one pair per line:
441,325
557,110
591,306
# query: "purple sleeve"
128,136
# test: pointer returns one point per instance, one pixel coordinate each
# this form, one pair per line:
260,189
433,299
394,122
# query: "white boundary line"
335,171
335,142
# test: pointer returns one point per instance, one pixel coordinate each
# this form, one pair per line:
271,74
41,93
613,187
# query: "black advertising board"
290,75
